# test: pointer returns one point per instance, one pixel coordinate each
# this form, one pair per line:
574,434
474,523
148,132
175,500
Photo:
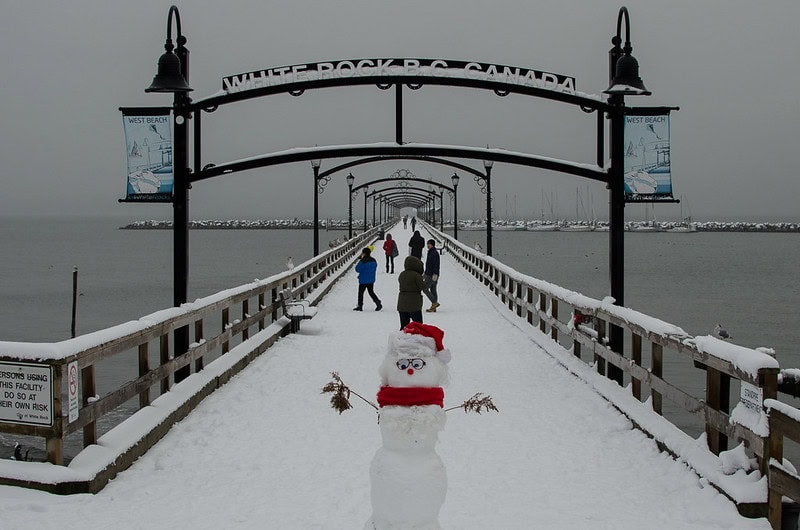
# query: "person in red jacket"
391,251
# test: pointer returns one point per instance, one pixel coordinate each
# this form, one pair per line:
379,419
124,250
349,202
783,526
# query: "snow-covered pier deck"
266,450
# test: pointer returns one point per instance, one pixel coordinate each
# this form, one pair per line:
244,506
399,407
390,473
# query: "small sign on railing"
751,396
26,393
72,391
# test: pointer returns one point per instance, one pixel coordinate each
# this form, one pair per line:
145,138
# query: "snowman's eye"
416,363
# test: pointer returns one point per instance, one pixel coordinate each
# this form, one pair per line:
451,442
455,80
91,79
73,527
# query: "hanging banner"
148,145
648,172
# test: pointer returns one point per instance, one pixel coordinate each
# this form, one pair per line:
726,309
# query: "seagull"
721,333
289,263
478,247
153,128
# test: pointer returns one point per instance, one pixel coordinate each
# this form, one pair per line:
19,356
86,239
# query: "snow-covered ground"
267,451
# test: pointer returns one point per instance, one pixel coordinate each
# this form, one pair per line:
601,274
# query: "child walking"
366,269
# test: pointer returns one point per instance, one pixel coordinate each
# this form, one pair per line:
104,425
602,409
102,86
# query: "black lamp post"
350,179
623,80
172,77
315,164
455,178
487,164
366,190
441,210
374,197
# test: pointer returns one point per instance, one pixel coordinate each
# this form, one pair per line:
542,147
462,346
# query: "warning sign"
72,391
26,393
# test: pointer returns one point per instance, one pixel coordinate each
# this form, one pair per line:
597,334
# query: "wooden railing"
71,364
582,324
784,422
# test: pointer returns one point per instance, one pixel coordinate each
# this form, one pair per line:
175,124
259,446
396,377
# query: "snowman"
408,479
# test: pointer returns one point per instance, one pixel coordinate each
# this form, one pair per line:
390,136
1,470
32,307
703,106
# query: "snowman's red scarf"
410,396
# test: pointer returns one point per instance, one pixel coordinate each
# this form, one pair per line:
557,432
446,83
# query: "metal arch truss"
481,182
404,181
382,151
322,181
384,158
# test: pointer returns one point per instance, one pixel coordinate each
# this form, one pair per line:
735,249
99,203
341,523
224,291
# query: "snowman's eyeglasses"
415,363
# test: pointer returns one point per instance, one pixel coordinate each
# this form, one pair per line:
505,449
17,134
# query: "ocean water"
745,281
122,274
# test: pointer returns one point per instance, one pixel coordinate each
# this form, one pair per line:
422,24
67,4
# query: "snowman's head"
415,360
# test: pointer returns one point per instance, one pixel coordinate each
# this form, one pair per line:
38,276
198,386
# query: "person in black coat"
416,244
431,276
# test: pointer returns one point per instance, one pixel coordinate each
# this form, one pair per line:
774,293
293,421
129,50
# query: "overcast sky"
731,66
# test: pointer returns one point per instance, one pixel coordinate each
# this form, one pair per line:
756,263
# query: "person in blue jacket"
366,267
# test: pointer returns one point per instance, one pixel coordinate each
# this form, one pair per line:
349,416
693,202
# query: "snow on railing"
587,326
59,377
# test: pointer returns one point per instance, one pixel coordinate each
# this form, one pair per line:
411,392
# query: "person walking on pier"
409,300
431,276
366,269
413,223
405,222
416,244
391,251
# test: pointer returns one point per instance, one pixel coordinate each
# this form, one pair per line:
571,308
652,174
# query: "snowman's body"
408,479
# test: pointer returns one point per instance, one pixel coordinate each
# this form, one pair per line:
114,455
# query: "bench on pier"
295,309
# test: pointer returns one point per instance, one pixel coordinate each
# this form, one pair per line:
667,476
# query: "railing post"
225,321
245,311
542,307
88,391
600,328
657,369
261,308
55,445
774,447
768,381
199,363
636,357
718,393
164,359
530,302
274,302
554,315
144,367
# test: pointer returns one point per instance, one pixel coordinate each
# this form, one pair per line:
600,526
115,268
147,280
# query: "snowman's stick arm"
365,400
475,404
341,394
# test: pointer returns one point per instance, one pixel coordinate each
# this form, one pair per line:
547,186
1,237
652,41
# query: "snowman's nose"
410,371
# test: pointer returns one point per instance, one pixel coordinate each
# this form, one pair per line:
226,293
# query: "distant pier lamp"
366,195
350,180
172,77
315,165
455,178
487,164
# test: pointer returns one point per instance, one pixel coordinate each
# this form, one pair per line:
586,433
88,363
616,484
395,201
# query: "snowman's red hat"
430,336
